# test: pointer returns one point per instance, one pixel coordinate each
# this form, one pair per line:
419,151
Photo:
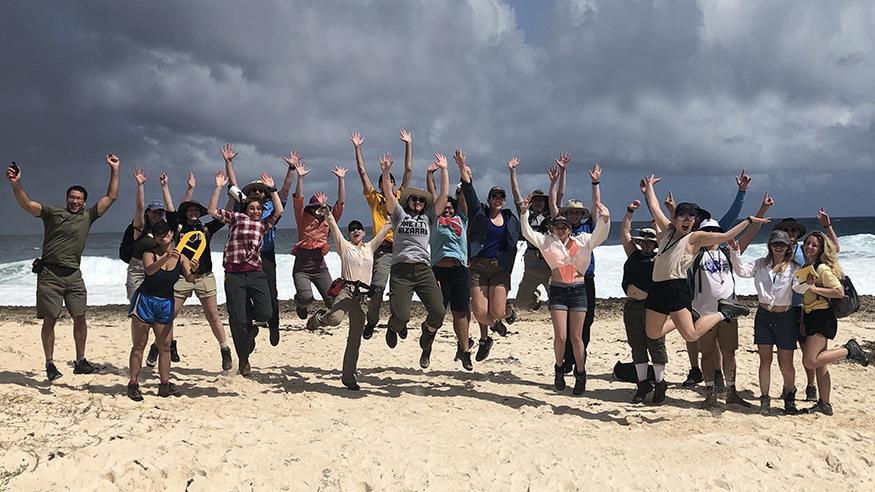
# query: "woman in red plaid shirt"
245,281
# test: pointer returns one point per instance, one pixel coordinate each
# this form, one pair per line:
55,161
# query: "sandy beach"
292,425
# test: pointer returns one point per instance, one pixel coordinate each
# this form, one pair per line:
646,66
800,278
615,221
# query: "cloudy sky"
691,91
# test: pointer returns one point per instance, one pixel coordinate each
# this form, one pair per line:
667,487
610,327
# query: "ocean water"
104,273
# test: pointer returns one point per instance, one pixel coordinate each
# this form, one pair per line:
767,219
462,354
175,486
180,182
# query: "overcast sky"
691,91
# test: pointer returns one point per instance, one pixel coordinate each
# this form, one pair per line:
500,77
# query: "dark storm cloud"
685,89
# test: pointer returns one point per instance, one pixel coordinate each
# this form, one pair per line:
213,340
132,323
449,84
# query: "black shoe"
730,309
790,403
301,311
368,332
167,389
765,405
391,338
470,344
427,338
536,303
500,328
483,349
465,357
52,372
559,378
710,399
274,335
352,386
245,369
134,392
821,407
254,335
425,358
855,353
694,377
152,358
510,318
732,396
82,366
811,393
579,383
174,355
659,390
568,365
719,381
403,333
644,388
226,359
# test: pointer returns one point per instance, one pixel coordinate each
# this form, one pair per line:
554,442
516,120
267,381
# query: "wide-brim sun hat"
259,184
790,223
645,234
711,225
779,236
184,206
412,191
574,204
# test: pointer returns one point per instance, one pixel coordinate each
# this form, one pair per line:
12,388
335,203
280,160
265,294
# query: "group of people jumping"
453,252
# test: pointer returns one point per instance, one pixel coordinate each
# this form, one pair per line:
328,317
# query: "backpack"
847,305
126,247
695,276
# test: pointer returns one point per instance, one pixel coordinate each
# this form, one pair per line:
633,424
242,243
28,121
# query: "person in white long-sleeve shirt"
568,258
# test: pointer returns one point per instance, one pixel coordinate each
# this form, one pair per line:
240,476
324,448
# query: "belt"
775,309
484,261
59,270
357,287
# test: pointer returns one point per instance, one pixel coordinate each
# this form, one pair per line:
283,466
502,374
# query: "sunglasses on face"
497,197
417,199
778,246
356,229
687,216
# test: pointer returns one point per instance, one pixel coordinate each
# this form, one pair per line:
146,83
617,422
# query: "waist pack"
847,305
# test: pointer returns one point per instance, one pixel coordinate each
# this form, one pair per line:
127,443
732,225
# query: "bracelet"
595,183
272,189
750,220
630,210
827,226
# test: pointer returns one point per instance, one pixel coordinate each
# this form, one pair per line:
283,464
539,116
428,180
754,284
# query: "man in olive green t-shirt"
59,280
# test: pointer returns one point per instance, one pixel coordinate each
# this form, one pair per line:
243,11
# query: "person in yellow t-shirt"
379,215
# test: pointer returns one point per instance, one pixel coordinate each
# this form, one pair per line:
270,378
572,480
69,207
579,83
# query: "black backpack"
695,276
134,248
847,305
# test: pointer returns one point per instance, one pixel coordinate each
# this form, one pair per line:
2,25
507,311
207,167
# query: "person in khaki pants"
356,263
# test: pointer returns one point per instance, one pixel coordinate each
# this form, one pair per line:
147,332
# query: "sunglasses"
499,196
778,245
687,216
417,199
356,229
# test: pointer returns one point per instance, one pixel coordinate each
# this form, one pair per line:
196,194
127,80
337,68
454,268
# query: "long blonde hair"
828,254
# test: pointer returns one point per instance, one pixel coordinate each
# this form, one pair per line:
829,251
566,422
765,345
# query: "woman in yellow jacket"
823,283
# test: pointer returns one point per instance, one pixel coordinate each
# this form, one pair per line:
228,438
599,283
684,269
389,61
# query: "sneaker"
644,388
811,393
659,390
694,377
499,328
510,318
152,358
301,311
730,309
245,369
732,396
174,355
790,403
483,349
226,359
368,332
134,392
465,357
312,325
719,381
391,338
855,353
167,389
82,366
52,372
765,405
579,383
710,399
274,335
821,407
559,378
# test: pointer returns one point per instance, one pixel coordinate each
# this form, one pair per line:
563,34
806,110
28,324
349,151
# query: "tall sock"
641,371
659,372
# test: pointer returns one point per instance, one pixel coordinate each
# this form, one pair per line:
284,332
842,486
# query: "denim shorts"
151,309
568,297
778,329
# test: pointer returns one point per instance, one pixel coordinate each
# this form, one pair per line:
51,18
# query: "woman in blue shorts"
152,307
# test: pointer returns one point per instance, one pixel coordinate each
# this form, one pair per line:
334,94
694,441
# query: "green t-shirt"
65,234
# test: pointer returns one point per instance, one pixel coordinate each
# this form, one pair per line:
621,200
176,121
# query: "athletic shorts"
821,322
454,287
54,291
724,332
779,329
669,296
488,273
151,309
568,297
204,287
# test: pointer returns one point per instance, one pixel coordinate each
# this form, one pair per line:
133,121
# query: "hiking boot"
730,309
174,355
245,369
579,383
152,358
312,324
855,353
536,301
403,333
391,338
368,332
483,349
226,358
351,385
811,393
82,366
719,381
733,397
301,311
559,378
694,377
765,405
274,335
790,403
52,372
134,392
659,392
167,389
499,328
426,340
710,399
643,389
821,407
465,357
510,318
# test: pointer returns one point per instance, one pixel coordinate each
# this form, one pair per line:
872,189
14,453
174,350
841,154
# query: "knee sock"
641,371
659,372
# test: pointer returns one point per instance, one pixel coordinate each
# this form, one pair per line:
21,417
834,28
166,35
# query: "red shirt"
312,231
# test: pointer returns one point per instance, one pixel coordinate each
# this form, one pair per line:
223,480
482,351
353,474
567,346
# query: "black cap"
687,208
496,190
354,224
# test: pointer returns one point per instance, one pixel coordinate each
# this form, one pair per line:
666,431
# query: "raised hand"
195,265
768,201
563,160
524,205
293,159
405,136
112,160
163,179
743,181
356,139
340,172
553,173
228,152
733,245
140,175
221,179
173,253
301,169
322,197
13,173
513,163
595,173
634,205
191,181
267,179
648,182
440,160
823,217
386,161
432,167
759,220
603,212
459,157
669,201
